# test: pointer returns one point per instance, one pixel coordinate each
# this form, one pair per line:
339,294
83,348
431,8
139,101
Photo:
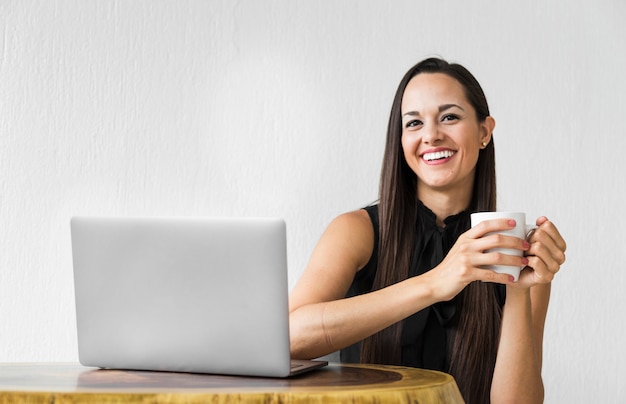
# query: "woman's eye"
412,124
449,117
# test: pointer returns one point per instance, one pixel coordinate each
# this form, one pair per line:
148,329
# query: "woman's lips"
438,157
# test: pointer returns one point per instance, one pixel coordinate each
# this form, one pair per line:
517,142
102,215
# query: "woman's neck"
444,205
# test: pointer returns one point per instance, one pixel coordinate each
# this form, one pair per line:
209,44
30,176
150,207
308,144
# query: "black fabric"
426,335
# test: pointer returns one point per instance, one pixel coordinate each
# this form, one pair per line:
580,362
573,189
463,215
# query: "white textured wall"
279,108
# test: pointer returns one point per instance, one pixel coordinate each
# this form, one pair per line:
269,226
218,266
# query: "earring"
484,144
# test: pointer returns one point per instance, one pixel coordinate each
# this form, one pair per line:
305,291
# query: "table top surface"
45,381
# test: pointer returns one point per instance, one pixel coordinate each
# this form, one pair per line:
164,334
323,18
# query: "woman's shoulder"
361,221
356,229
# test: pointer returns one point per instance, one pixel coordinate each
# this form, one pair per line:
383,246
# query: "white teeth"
438,155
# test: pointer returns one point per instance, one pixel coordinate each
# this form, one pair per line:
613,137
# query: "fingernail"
511,278
526,245
512,223
525,261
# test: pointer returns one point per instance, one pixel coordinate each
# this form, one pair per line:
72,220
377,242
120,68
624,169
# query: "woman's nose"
431,133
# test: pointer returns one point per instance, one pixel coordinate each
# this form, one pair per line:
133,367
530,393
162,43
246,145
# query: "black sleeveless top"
427,334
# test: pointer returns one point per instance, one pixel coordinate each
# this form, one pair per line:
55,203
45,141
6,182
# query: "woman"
401,282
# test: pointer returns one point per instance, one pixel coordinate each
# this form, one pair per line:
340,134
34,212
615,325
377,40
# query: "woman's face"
441,135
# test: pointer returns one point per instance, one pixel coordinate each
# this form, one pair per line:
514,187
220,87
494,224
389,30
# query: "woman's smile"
437,156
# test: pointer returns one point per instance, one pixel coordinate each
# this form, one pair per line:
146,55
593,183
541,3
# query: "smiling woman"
442,136
401,282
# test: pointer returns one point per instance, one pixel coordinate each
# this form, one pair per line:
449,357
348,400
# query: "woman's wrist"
513,291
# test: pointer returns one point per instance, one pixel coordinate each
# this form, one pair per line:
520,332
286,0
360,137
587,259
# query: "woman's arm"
323,321
517,375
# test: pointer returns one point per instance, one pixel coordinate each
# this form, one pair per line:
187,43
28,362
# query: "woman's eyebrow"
411,113
441,109
448,106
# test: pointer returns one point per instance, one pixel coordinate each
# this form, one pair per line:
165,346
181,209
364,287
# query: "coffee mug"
521,230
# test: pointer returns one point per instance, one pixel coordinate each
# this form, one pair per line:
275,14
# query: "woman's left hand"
545,255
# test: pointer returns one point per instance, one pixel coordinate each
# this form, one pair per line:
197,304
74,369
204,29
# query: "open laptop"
206,295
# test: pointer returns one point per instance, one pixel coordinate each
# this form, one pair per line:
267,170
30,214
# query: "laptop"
202,295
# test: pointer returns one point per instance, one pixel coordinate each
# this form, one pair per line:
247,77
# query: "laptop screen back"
182,294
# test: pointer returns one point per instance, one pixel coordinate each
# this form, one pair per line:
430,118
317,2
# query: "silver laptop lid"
182,294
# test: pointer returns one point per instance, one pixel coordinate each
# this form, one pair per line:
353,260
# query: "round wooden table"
73,383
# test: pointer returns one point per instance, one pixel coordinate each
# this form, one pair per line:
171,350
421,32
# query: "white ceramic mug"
521,230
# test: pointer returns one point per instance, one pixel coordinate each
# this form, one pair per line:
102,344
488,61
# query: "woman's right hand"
463,263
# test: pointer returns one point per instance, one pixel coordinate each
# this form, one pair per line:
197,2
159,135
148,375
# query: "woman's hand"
464,262
545,255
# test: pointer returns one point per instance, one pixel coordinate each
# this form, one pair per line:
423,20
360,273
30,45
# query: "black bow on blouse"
424,334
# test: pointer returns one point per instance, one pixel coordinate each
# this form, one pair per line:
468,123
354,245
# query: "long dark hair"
475,345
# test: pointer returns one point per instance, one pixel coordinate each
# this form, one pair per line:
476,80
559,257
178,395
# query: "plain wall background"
279,108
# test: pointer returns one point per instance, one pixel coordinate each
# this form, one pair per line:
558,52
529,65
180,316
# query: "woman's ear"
487,127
